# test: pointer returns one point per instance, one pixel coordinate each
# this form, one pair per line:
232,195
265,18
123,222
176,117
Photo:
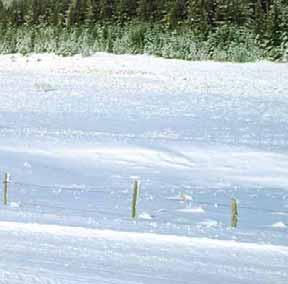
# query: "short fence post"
234,213
136,187
5,189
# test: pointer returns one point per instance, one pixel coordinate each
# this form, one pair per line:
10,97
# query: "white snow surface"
74,134
192,210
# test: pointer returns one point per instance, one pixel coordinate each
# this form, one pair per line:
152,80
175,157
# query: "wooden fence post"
234,213
5,189
136,187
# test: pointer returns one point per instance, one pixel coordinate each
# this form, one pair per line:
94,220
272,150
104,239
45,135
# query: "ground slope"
74,134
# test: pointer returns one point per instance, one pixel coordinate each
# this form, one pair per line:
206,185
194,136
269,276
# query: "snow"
192,210
146,216
279,225
91,255
209,223
76,132
181,197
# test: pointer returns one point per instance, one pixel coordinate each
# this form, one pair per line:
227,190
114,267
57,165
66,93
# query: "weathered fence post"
136,187
5,189
234,213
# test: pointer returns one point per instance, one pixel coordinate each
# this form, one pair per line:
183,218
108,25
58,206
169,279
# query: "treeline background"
236,30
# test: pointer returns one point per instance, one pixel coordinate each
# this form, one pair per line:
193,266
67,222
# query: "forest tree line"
201,15
266,19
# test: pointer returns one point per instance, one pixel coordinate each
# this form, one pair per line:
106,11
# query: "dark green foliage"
238,30
132,38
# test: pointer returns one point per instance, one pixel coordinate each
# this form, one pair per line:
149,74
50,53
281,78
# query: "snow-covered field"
75,133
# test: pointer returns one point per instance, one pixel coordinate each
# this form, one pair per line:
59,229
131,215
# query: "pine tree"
198,16
145,10
72,12
273,23
89,12
176,12
125,10
106,9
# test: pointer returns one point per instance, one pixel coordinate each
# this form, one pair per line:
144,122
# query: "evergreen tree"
106,10
125,10
145,10
198,16
176,12
73,12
